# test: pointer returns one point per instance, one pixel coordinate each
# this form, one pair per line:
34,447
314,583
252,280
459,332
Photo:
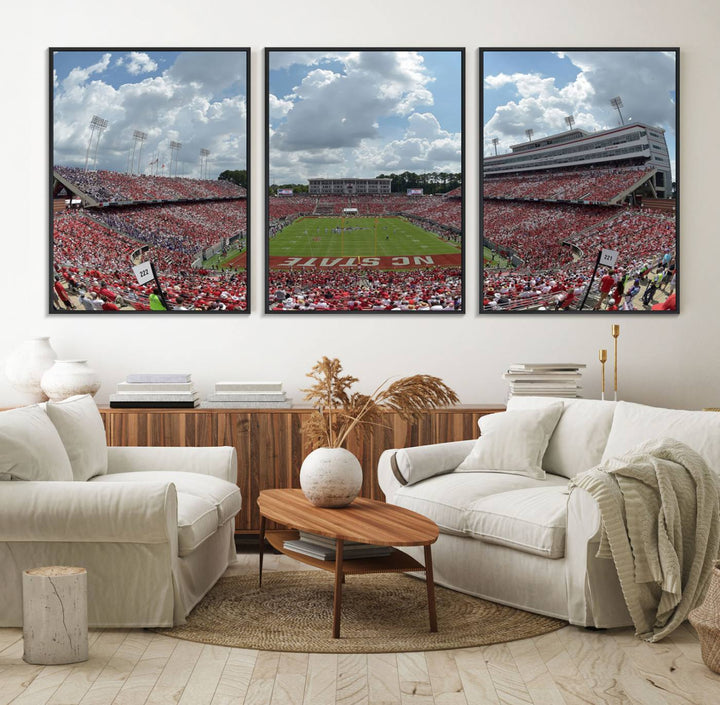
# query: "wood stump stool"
55,625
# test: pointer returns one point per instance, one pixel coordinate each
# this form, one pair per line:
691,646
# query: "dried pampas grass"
338,410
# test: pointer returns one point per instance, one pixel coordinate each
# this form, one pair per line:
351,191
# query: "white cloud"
137,62
180,104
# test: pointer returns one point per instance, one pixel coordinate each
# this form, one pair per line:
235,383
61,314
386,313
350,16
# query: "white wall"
670,361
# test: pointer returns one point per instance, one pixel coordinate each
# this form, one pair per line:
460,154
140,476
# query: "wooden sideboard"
270,443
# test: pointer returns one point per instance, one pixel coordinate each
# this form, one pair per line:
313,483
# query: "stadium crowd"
114,187
595,185
427,289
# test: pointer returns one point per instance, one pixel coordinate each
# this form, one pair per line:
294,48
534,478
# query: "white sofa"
154,527
523,540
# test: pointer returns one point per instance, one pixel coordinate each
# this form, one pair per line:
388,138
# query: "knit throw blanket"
660,524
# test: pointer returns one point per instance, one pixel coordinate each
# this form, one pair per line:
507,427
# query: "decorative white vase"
25,366
66,378
331,477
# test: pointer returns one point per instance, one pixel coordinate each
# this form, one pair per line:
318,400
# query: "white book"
328,554
248,387
248,396
155,396
546,366
133,387
246,404
163,377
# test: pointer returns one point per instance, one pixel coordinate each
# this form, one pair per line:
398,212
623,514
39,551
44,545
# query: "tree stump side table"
55,624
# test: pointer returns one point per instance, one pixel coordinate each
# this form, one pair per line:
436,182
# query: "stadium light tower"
175,147
204,154
138,137
570,121
97,124
617,103
495,141
530,132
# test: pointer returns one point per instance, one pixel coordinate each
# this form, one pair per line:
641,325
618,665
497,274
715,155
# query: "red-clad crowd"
428,289
114,187
94,263
596,185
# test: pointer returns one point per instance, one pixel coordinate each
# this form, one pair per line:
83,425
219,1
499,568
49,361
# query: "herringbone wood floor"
569,666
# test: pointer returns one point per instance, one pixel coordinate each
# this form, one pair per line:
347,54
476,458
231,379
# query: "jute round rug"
380,613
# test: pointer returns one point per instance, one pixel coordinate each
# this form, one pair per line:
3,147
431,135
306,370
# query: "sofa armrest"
406,466
88,512
583,518
219,461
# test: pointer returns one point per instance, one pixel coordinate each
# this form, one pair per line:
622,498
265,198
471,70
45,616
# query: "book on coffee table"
327,553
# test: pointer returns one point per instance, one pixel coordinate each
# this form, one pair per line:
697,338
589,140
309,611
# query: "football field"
356,237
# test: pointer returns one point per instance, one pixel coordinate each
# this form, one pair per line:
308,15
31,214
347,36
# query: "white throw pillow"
30,447
81,429
513,442
420,462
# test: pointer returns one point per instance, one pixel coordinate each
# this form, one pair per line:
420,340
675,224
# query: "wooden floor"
568,666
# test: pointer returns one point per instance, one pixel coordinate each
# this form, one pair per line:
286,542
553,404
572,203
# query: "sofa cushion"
532,520
421,462
513,442
580,437
81,429
446,499
197,521
30,447
635,423
223,495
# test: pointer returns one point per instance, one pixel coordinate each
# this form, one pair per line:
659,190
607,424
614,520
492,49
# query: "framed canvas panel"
580,181
364,190
149,189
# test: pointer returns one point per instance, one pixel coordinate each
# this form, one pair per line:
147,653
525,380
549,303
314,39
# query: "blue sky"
346,113
537,89
197,98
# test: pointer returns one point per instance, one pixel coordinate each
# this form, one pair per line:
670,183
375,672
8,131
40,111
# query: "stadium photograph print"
364,193
149,181
580,180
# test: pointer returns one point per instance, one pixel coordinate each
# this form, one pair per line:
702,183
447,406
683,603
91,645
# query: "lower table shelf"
396,562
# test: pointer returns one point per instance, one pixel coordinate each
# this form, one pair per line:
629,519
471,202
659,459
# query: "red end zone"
396,262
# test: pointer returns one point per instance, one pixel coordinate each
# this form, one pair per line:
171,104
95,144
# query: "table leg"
337,597
261,549
429,580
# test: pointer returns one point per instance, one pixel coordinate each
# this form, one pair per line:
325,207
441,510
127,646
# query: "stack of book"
545,379
247,395
323,548
156,391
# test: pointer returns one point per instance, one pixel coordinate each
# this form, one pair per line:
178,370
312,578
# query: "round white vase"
66,378
25,366
331,477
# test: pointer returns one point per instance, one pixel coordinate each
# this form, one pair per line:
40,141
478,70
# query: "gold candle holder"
603,360
615,331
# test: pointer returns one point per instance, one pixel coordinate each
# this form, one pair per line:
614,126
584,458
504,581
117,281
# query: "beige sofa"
154,527
525,540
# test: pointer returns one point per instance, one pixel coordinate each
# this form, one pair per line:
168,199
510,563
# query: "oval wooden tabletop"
365,520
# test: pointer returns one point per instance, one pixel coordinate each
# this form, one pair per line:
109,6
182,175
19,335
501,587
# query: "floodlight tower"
204,154
530,132
570,121
617,103
495,141
138,137
175,147
97,124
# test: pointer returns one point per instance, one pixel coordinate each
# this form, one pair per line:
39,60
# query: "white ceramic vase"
66,378
331,477
25,366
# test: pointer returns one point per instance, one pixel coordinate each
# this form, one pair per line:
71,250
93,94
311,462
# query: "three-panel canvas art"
366,189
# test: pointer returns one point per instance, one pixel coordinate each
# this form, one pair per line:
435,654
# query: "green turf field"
356,237
495,260
221,260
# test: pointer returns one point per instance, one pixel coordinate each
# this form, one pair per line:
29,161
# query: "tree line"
430,182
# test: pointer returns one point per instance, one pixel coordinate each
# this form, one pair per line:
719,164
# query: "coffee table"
364,520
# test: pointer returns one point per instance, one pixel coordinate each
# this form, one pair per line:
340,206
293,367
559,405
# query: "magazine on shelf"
326,553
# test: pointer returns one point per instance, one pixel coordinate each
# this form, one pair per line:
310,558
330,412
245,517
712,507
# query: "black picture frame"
119,118
288,290
550,204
